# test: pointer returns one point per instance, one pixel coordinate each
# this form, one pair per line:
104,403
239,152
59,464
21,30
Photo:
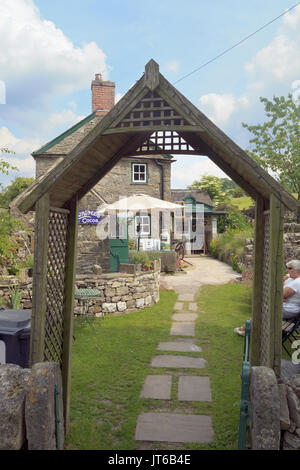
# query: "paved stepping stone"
171,427
181,328
192,388
178,306
186,297
157,387
193,306
184,316
179,346
181,362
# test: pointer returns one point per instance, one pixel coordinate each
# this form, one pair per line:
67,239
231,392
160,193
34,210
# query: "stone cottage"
149,175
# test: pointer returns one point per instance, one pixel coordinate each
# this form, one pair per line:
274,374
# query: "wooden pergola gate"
153,117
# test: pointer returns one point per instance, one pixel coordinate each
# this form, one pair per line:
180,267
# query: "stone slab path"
171,427
181,427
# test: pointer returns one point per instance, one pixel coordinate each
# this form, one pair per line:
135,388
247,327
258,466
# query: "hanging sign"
89,217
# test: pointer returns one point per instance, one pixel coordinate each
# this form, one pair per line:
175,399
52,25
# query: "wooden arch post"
53,289
267,285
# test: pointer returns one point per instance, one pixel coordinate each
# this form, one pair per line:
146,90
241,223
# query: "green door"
119,246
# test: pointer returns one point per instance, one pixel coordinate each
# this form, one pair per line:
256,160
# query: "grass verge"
110,361
112,358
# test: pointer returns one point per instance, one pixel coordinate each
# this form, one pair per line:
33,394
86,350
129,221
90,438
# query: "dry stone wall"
120,293
291,245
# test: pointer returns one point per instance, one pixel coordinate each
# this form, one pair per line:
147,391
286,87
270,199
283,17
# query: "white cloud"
21,149
65,118
193,170
172,66
275,68
36,58
219,108
279,60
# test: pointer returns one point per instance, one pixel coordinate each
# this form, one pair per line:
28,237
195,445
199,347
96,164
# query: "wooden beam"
197,143
131,144
135,129
276,281
39,285
256,328
69,307
152,75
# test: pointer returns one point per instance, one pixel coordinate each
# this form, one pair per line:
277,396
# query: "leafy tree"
214,186
276,142
13,189
5,167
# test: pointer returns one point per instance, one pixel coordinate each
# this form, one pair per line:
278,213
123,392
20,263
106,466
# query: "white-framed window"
145,225
139,172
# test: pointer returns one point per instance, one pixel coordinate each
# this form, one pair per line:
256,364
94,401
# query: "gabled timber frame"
152,107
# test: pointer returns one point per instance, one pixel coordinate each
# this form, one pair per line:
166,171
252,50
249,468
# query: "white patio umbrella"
140,202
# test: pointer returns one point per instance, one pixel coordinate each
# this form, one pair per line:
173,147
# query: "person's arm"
288,292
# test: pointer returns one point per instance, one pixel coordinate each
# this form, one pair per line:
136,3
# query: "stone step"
193,306
171,427
180,362
178,306
184,316
194,388
181,328
186,297
179,346
157,387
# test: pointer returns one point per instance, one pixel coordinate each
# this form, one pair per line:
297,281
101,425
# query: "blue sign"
89,217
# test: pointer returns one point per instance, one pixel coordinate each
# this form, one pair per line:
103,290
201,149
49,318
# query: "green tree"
214,186
5,167
276,142
13,189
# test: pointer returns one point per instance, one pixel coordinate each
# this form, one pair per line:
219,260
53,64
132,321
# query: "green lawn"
243,202
112,359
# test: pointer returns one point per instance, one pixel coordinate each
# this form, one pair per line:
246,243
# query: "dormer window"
139,172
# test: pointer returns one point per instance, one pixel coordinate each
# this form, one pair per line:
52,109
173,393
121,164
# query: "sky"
50,51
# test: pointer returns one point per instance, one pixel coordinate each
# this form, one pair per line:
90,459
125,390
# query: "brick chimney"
103,95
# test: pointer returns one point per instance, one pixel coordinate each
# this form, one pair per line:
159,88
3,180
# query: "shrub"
230,246
140,257
153,255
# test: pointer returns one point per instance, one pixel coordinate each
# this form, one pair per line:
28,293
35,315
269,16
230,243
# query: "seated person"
291,294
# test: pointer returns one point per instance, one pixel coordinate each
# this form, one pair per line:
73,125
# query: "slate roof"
198,194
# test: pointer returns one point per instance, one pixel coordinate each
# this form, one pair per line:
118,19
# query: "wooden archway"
153,117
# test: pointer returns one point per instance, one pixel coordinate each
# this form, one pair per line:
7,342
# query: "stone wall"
28,408
289,390
9,284
291,245
120,292
275,408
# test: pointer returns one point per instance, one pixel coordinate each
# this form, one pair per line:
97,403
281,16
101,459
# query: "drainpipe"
162,194
162,178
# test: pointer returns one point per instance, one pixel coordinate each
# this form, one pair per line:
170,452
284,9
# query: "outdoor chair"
290,331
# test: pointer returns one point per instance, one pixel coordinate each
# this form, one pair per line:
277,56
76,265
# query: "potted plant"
147,266
139,258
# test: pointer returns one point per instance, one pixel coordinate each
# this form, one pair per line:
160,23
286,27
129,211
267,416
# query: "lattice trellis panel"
152,110
166,142
57,245
265,320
